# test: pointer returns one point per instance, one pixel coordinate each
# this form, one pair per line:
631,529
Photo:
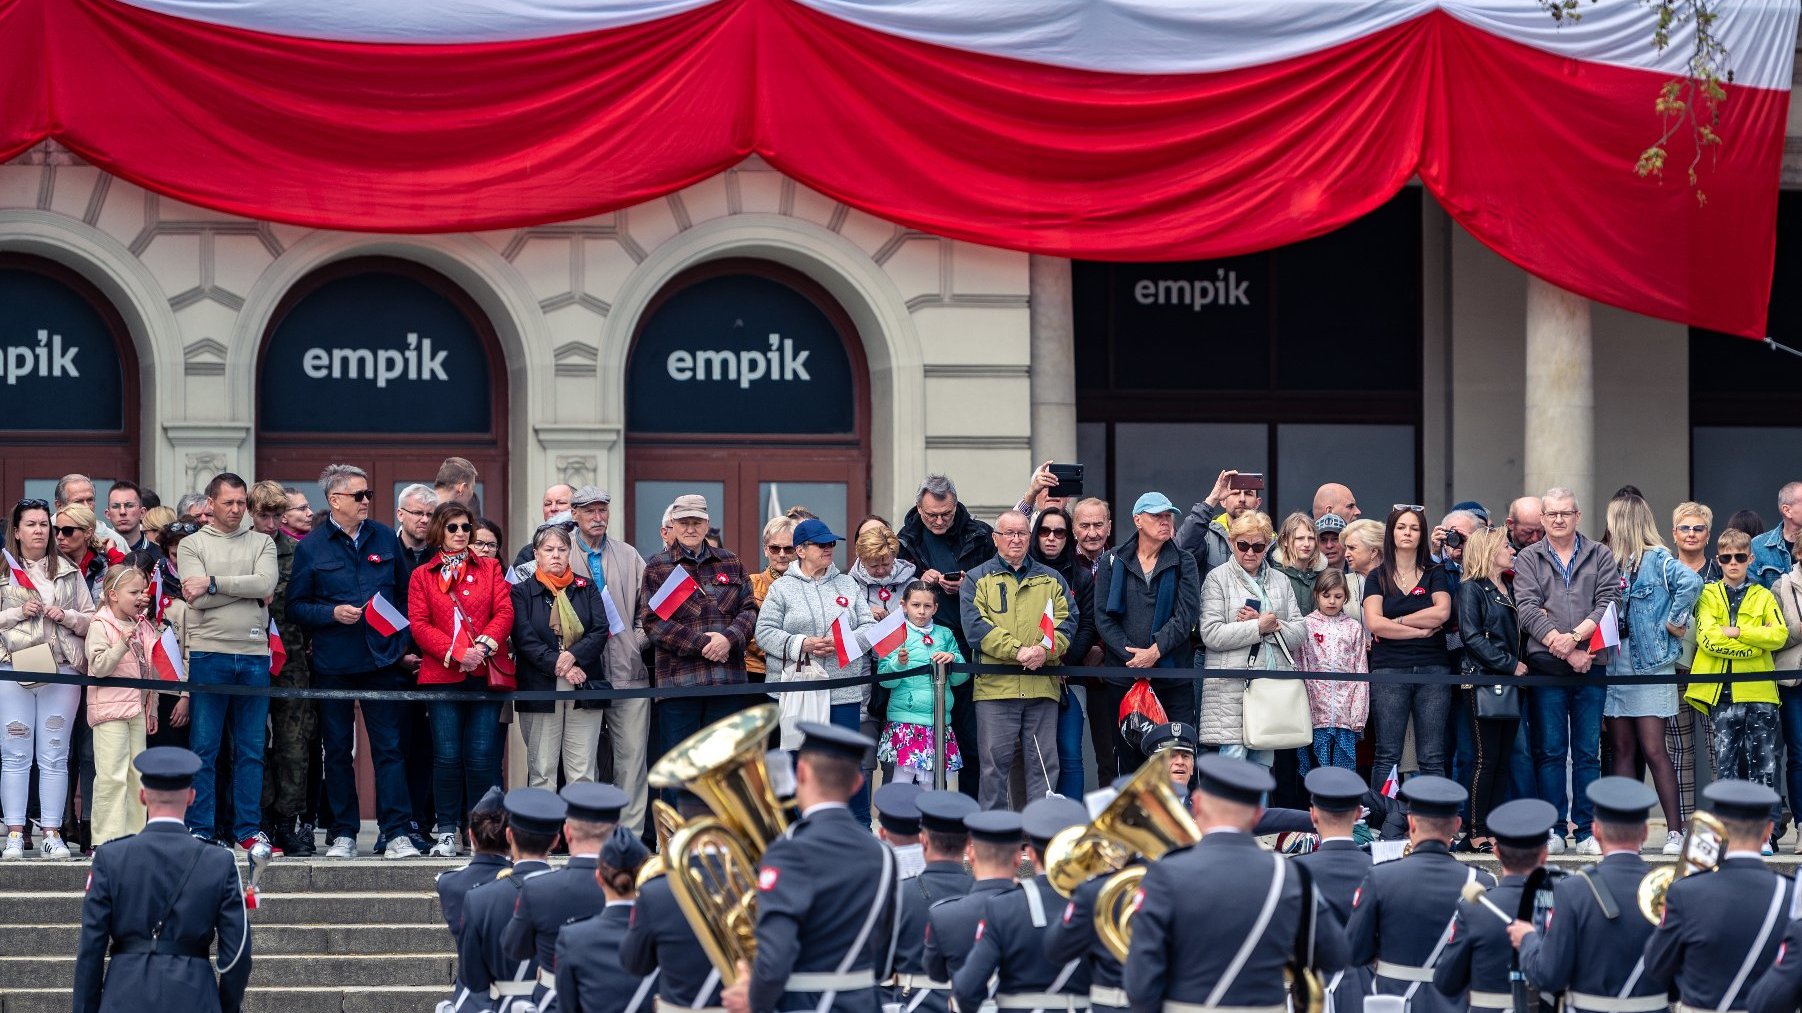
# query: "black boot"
302,842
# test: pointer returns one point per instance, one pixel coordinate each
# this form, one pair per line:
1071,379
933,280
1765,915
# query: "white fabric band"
1615,1004
1041,1000
830,981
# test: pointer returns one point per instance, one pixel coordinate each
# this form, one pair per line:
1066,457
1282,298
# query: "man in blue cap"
1010,939
1338,865
943,840
1594,951
1402,914
827,894
589,976
1147,597
158,900
546,903
1477,966
1218,922
1722,929
659,941
995,839
534,817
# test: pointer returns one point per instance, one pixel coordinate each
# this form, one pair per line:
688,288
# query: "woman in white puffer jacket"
1238,635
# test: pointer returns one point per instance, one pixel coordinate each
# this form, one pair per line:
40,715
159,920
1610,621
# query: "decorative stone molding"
200,469
576,358
578,470
205,357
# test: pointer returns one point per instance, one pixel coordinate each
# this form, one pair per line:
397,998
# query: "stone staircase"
331,936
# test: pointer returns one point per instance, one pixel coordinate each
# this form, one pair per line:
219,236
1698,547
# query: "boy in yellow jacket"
1738,625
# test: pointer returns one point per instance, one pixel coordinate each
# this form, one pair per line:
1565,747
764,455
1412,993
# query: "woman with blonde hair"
1363,541
78,540
778,552
1297,556
1492,648
156,519
1249,619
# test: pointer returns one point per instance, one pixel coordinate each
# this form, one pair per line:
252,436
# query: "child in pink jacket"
119,646
1335,641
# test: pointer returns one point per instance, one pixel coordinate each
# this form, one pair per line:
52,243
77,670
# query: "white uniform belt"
501,989
1406,972
1041,1000
1172,1006
547,978
1683,1007
912,981
830,981
1492,1000
1616,1004
1102,995
662,1005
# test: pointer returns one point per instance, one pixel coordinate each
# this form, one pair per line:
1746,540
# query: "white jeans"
36,721
568,733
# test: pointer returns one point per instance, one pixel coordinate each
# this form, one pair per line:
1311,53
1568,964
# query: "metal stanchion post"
941,675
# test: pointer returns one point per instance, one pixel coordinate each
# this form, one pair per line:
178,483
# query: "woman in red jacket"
461,608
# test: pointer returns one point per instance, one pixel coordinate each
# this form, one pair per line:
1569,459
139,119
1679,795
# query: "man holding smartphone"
1203,532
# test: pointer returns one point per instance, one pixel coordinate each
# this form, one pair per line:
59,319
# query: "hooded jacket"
1001,609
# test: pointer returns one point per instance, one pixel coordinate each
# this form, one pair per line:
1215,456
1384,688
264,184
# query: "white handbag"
1274,714
802,706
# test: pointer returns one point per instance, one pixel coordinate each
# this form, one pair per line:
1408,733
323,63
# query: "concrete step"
318,999
285,875
350,940
370,908
285,970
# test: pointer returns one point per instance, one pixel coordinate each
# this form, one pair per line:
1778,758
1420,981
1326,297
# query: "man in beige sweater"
228,574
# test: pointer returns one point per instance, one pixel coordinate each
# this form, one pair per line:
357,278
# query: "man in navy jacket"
339,568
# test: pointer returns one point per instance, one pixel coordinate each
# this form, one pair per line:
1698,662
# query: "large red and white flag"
165,657
844,640
1607,632
381,614
889,633
676,589
1048,625
19,576
278,651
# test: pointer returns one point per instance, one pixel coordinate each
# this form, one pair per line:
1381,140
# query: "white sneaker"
446,846
15,846
1589,846
52,846
342,847
1554,845
1673,843
401,847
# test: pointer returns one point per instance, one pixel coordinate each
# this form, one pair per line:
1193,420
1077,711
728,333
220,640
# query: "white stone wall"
944,324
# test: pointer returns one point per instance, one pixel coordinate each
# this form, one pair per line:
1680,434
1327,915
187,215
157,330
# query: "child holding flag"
907,739
120,645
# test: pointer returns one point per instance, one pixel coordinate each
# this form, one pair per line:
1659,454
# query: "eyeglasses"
489,546
1412,507
1558,515
1735,557
361,495
182,527
1054,533
69,531
779,550
1252,546
1012,536
410,512
941,515
456,527
31,504
1692,529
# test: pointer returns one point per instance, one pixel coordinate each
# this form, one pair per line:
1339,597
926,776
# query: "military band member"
1179,743
1594,948
488,846
1072,935
827,904
546,903
1722,929
1780,990
1402,914
1218,922
898,825
660,941
589,976
1477,966
1009,944
534,817
944,841
157,900
1338,865
995,846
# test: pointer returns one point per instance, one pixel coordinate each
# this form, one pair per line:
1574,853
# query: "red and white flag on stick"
165,657
844,640
1392,785
616,624
889,633
278,651
1608,632
1048,625
461,639
381,614
19,576
676,589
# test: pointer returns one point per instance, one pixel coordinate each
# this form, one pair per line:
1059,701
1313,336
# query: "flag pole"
940,675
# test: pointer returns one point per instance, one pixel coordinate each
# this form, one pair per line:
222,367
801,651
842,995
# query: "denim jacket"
1770,557
1663,591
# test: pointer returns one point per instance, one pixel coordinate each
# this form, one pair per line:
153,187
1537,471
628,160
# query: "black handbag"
1496,703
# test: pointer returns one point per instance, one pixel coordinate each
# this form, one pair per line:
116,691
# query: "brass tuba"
666,821
1701,852
711,862
1146,819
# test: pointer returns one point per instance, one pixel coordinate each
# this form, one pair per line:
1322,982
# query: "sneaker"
257,838
401,847
381,843
301,843
342,847
446,846
15,846
1768,851
1554,844
1589,846
1673,843
52,846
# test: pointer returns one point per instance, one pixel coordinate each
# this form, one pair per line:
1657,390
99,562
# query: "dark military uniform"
454,885
493,980
547,903
156,901
1338,867
913,989
951,927
1780,990
658,940
293,723
1402,914
1010,940
1072,936
1478,964
589,976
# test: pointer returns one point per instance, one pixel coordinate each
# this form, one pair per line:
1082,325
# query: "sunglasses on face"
1252,546
183,527
361,495
68,531
455,527
1055,533
1410,507
1692,529
1734,557
779,550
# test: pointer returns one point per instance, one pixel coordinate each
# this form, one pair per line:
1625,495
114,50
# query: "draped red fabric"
1531,151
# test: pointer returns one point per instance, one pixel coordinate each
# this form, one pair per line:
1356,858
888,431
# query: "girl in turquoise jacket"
907,740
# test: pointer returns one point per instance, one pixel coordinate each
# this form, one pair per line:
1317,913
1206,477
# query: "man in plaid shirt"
703,643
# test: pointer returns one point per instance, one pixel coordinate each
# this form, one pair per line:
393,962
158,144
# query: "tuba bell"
1701,852
1145,819
711,861
667,821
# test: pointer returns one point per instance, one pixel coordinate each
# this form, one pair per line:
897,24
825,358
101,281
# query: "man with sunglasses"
1147,596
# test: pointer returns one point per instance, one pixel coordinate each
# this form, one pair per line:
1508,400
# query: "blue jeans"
338,727
1523,774
1069,746
1790,714
849,715
249,717
466,752
1567,726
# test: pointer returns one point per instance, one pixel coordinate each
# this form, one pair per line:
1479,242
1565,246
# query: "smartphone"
1069,479
956,575
1246,481
1254,604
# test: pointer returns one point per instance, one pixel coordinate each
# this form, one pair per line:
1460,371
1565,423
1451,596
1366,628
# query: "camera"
1454,538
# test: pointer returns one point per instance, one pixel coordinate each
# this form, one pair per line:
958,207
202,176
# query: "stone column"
1560,397
1053,366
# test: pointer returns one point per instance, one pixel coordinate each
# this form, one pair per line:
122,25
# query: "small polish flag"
889,633
165,657
461,640
1048,624
1392,785
615,625
278,651
676,589
381,614
844,641
1608,632
19,576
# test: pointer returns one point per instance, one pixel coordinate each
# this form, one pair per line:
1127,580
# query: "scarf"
450,570
1163,607
564,622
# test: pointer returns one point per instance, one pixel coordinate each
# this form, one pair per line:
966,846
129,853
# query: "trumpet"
711,861
1702,845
